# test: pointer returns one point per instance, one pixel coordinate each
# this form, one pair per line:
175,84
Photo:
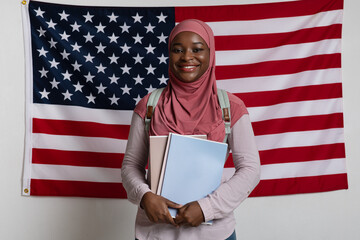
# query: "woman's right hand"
156,208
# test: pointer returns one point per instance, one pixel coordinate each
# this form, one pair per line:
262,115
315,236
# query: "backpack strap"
150,106
225,109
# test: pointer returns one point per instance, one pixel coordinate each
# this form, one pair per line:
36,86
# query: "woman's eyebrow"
176,44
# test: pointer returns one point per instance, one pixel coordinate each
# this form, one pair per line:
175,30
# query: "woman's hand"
156,208
190,214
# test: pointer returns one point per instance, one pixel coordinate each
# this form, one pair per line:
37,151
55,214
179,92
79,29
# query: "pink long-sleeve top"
217,206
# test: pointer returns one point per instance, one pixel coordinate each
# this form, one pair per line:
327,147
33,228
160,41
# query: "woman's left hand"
190,214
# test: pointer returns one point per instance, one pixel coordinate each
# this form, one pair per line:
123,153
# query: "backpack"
223,101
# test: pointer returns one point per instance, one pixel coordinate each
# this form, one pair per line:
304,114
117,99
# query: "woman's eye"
177,50
197,50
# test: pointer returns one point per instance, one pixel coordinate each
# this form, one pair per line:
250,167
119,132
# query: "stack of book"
185,168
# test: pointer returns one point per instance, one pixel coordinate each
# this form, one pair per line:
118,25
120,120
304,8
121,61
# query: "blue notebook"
192,169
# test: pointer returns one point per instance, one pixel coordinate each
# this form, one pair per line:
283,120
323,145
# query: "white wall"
330,216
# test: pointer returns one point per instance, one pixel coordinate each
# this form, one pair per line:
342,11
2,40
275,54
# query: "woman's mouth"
188,68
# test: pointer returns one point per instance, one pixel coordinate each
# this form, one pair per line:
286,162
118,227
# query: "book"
157,148
192,168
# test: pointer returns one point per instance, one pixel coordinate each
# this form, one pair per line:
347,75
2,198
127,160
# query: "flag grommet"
26,190
23,2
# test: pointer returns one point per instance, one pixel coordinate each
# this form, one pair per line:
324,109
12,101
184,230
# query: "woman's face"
189,56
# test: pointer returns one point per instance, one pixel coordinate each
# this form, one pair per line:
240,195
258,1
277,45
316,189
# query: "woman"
189,105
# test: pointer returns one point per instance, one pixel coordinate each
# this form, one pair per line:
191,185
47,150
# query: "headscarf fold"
189,108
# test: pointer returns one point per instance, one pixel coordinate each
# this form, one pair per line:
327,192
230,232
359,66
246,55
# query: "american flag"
87,68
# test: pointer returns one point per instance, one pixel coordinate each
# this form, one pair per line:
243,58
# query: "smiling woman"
189,56
189,106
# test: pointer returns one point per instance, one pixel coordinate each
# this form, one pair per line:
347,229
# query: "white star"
78,87
52,43
126,90
54,63
113,38
88,17
150,69
89,77
113,79
67,95
150,49
67,75
42,52
64,36
150,89
100,48
100,68
51,24
114,99
124,28
138,59
163,79
44,94
100,28
41,32
63,15
125,48
137,100
75,26
113,59
54,84
89,58
65,55
162,38
137,39
112,17
161,18
88,37
149,28
101,89
162,59
76,47
76,66
138,80
91,98
39,12
137,18
43,72
126,69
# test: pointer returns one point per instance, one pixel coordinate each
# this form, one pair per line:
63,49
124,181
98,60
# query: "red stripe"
77,189
297,154
256,11
77,128
279,67
295,94
77,158
301,154
306,123
300,185
261,41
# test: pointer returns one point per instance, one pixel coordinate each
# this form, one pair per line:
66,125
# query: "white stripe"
28,99
296,109
300,139
75,143
293,51
76,113
75,173
276,25
303,169
279,82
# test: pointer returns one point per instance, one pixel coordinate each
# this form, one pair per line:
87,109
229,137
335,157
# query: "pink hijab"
189,108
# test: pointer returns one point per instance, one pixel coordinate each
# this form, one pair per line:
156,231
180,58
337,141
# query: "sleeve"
135,160
246,159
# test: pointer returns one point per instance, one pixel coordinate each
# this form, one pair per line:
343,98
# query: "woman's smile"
189,56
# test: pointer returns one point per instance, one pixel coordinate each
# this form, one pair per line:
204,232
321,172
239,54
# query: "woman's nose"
187,55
